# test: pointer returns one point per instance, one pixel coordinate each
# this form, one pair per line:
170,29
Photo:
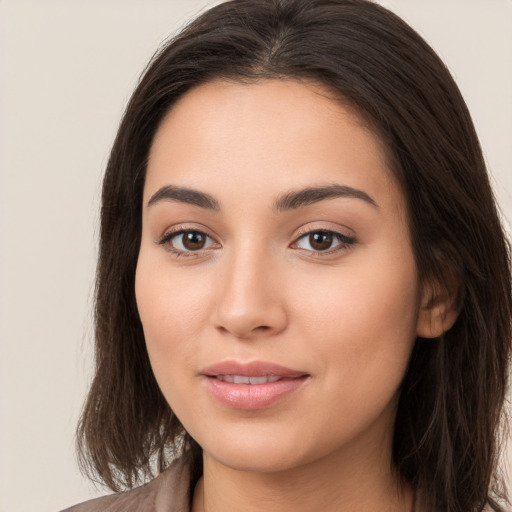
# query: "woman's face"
276,282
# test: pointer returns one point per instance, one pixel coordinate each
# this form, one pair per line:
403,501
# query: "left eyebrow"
310,195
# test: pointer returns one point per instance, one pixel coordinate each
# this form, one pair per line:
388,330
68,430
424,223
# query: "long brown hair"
450,409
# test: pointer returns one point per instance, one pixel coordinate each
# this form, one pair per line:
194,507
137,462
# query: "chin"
258,455
256,461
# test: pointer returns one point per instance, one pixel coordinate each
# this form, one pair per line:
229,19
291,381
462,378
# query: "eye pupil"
193,240
320,240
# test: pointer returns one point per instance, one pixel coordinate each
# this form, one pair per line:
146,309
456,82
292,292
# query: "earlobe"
438,310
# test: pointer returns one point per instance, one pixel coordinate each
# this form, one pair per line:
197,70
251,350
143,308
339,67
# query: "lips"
251,386
252,369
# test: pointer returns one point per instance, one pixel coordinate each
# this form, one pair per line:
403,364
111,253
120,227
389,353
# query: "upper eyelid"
334,232
345,239
309,228
180,228
171,234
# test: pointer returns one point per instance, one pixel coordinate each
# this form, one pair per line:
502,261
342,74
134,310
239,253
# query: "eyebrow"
185,195
288,201
307,196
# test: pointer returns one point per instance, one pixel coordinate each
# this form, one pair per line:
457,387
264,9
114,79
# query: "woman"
303,296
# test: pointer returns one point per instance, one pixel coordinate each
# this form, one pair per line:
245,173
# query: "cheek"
169,301
361,325
172,311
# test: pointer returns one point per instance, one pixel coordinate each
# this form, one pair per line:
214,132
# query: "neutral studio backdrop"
67,69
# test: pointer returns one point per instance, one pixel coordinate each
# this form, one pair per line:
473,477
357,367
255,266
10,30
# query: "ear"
439,308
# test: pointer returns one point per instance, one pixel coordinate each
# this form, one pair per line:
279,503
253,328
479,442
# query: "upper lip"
251,369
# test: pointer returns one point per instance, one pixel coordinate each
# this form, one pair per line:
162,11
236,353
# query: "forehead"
263,135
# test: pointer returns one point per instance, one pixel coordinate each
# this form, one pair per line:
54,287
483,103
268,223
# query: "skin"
260,290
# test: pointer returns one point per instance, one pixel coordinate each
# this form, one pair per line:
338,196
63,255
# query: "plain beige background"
67,70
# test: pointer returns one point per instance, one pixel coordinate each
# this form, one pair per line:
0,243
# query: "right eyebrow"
185,195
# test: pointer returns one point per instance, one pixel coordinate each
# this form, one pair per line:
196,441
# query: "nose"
250,299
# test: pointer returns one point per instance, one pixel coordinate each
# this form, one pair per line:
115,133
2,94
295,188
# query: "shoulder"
169,492
104,503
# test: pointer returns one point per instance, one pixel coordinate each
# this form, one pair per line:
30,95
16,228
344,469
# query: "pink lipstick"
251,386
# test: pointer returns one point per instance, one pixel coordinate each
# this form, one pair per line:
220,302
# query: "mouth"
251,386
244,379
250,370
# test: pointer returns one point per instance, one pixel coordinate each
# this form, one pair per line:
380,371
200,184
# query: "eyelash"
344,242
168,237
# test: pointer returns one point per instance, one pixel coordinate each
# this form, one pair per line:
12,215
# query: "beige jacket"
168,492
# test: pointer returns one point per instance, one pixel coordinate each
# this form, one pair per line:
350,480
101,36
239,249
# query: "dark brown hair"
449,413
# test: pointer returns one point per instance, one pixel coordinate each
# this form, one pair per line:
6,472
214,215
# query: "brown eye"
193,240
320,240
326,241
187,242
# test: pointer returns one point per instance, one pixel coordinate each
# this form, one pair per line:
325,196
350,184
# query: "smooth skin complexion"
274,233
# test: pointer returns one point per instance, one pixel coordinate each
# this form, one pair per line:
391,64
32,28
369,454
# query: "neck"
339,482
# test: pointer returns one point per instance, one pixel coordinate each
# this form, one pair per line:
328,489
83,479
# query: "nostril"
246,334
246,320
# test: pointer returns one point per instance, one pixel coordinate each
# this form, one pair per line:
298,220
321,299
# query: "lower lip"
252,396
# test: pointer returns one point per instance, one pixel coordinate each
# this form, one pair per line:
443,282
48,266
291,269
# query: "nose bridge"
249,302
